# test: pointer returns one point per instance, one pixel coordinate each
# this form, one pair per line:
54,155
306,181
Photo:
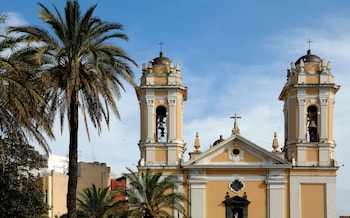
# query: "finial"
292,66
329,65
197,144
227,196
235,129
275,143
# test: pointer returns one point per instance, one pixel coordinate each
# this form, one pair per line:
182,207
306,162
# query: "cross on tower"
309,41
161,46
235,129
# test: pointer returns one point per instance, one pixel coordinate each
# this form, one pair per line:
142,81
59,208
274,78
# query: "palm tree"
83,69
154,195
97,203
23,110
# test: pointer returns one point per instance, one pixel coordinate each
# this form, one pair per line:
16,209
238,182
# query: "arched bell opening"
161,125
312,123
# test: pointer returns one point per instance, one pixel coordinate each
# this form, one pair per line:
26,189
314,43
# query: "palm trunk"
3,156
73,158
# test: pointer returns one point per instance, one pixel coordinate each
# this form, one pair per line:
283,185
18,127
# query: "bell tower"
161,96
308,97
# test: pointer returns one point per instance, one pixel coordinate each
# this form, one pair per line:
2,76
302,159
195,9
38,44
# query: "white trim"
245,177
197,186
276,184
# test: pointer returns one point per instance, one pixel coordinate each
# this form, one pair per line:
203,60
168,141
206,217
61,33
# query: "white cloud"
15,19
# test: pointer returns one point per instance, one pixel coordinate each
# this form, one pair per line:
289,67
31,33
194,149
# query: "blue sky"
233,56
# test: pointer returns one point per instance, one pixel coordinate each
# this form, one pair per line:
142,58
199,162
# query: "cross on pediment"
235,129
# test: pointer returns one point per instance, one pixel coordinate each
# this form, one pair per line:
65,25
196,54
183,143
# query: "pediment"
237,152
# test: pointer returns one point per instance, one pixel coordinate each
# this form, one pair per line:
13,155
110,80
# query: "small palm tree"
82,70
154,195
98,203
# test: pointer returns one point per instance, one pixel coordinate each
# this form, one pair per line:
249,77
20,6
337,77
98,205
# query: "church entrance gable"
236,207
237,152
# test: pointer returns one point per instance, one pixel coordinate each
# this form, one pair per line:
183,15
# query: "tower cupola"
161,96
309,97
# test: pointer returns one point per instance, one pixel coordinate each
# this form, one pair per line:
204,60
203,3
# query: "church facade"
236,177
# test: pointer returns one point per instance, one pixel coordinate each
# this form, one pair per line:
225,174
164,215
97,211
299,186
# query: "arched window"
312,123
161,123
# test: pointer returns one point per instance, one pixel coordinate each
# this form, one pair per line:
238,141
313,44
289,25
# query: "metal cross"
309,41
161,45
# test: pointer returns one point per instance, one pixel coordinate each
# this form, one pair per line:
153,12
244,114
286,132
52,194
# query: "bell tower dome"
309,97
161,96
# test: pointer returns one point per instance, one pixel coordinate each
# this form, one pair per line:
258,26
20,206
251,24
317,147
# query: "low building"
55,181
118,187
93,173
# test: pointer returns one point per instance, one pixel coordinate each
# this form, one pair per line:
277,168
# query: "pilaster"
276,182
197,184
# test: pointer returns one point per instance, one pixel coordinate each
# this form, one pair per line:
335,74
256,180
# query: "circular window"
235,151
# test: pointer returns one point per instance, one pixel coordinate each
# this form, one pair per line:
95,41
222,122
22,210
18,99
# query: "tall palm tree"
84,71
23,110
154,195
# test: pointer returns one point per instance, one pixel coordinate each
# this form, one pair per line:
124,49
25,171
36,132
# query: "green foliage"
154,195
98,203
21,192
24,113
23,116
80,68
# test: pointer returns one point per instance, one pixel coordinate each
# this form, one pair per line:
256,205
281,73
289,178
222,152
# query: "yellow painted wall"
143,125
216,191
312,67
330,119
179,117
293,113
161,153
160,68
294,79
93,173
293,92
312,153
313,79
59,193
236,171
312,92
163,80
220,158
312,200
248,157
